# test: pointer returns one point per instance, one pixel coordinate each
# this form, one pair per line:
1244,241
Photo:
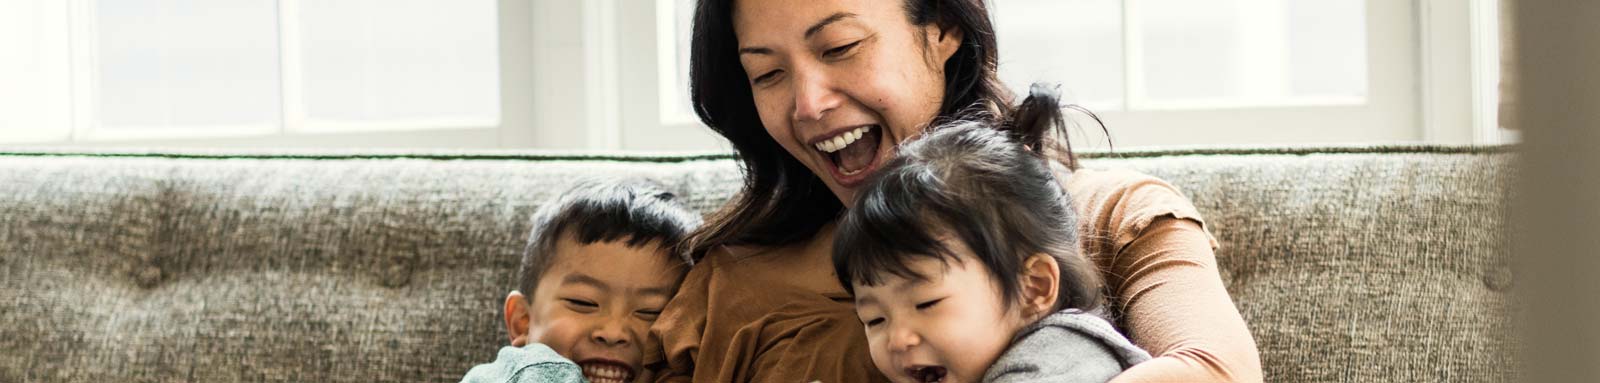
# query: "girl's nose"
903,338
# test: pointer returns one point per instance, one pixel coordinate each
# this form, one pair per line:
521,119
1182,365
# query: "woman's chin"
846,196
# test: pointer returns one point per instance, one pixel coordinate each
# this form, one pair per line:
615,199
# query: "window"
1173,72
1243,72
243,71
613,74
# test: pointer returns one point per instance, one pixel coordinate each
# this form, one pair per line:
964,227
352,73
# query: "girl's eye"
840,50
764,78
649,313
926,305
874,322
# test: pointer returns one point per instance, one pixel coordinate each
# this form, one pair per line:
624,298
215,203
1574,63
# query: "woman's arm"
1157,260
1176,307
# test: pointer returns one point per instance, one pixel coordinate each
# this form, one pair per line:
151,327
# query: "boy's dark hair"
633,210
992,189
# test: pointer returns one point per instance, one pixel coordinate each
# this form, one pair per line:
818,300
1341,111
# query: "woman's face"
838,83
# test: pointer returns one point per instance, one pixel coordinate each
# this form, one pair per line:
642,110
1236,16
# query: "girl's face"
948,328
838,83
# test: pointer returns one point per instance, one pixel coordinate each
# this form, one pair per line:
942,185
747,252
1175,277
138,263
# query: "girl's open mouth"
852,153
927,374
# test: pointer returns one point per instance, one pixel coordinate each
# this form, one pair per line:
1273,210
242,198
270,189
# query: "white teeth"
602,373
842,140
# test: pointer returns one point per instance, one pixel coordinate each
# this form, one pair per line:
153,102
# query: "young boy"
596,271
962,256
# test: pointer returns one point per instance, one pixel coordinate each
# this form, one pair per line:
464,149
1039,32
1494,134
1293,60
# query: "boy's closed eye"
648,314
580,305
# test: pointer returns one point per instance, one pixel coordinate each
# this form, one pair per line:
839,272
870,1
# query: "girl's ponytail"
1039,123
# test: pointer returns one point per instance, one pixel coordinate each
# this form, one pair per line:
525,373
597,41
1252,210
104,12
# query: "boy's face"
948,328
594,305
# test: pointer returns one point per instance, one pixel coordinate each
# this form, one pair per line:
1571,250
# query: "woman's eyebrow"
824,23
755,51
809,32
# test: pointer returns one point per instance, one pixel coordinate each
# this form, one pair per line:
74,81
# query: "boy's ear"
1041,285
517,318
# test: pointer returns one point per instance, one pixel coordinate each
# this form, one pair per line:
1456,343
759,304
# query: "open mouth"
927,374
852,152
606,372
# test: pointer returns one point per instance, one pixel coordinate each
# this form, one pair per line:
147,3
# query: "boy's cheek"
646,375
556,331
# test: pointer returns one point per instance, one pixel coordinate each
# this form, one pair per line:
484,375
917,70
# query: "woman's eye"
840,50
926,305
874,322
766,77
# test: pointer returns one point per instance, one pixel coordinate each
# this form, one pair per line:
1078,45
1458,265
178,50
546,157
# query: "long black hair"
992,189
782,201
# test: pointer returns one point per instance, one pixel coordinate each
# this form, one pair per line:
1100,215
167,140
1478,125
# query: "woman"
813,95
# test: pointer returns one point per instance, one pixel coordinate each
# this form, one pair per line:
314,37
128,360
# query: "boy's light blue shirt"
534,363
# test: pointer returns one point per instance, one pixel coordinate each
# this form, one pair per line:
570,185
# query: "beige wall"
1558,207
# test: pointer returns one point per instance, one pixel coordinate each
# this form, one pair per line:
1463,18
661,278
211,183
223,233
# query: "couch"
1350,264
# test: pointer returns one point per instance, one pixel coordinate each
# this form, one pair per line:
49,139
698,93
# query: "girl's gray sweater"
1067,346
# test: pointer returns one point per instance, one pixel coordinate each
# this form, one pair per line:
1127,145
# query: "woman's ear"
517,318
1041,281
944,40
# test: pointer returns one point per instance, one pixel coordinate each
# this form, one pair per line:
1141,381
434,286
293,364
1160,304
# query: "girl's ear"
517,318
1041,281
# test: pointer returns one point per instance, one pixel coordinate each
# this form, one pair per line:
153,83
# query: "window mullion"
85,79
290,77
1132,59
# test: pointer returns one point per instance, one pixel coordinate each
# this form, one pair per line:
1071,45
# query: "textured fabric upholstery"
1349,264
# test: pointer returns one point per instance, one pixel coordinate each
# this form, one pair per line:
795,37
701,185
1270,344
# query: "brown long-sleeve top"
779,315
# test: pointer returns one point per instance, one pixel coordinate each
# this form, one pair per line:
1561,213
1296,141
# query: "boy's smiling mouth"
606,371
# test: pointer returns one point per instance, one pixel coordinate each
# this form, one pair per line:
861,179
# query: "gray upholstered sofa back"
1348,264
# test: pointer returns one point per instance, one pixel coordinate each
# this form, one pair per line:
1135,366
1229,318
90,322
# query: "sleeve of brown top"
1158,260
678,328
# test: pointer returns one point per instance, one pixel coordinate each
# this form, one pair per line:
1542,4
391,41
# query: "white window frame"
623,91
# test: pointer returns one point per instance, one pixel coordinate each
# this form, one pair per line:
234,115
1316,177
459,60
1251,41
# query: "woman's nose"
814,95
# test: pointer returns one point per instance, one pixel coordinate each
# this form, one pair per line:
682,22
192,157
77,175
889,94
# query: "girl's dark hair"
992,189
782,201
